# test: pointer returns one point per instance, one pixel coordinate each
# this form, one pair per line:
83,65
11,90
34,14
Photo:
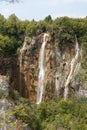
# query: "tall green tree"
2,24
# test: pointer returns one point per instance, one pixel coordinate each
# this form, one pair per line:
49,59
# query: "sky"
39,9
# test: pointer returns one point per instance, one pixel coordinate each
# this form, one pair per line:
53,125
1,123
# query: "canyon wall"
23,69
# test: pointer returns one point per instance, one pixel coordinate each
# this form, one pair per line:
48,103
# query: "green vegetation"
64,29
83,73
55,114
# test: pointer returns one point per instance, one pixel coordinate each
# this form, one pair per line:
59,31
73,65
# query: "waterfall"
20,62
21,53
72,68
41,69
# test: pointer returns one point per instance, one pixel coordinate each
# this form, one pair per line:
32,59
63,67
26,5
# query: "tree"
11,25
31,28
8,45
2,24
48,18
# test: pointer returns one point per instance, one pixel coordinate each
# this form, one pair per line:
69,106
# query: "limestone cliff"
23,69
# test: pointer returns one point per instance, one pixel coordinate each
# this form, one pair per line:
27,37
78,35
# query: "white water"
73,65
41,69
21,53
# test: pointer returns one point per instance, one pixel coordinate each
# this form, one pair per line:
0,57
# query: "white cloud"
6,12
6,8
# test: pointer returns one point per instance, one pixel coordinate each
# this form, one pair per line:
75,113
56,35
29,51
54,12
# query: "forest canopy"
64,29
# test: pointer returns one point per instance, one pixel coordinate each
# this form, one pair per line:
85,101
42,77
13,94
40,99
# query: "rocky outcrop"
5,104
23,69
57,62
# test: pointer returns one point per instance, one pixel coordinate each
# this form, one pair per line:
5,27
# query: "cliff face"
57,67
61,66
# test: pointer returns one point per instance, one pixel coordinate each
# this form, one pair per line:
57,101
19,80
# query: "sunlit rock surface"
23,68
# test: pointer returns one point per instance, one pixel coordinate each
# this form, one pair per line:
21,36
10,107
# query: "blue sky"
39,9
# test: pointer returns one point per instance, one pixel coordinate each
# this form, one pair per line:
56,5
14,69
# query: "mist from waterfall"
41,69
73,65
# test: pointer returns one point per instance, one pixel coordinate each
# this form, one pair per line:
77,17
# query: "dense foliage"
55,114
64,29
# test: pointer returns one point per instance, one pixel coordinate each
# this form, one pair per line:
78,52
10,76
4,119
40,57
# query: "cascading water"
20,60
41,69
73,65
